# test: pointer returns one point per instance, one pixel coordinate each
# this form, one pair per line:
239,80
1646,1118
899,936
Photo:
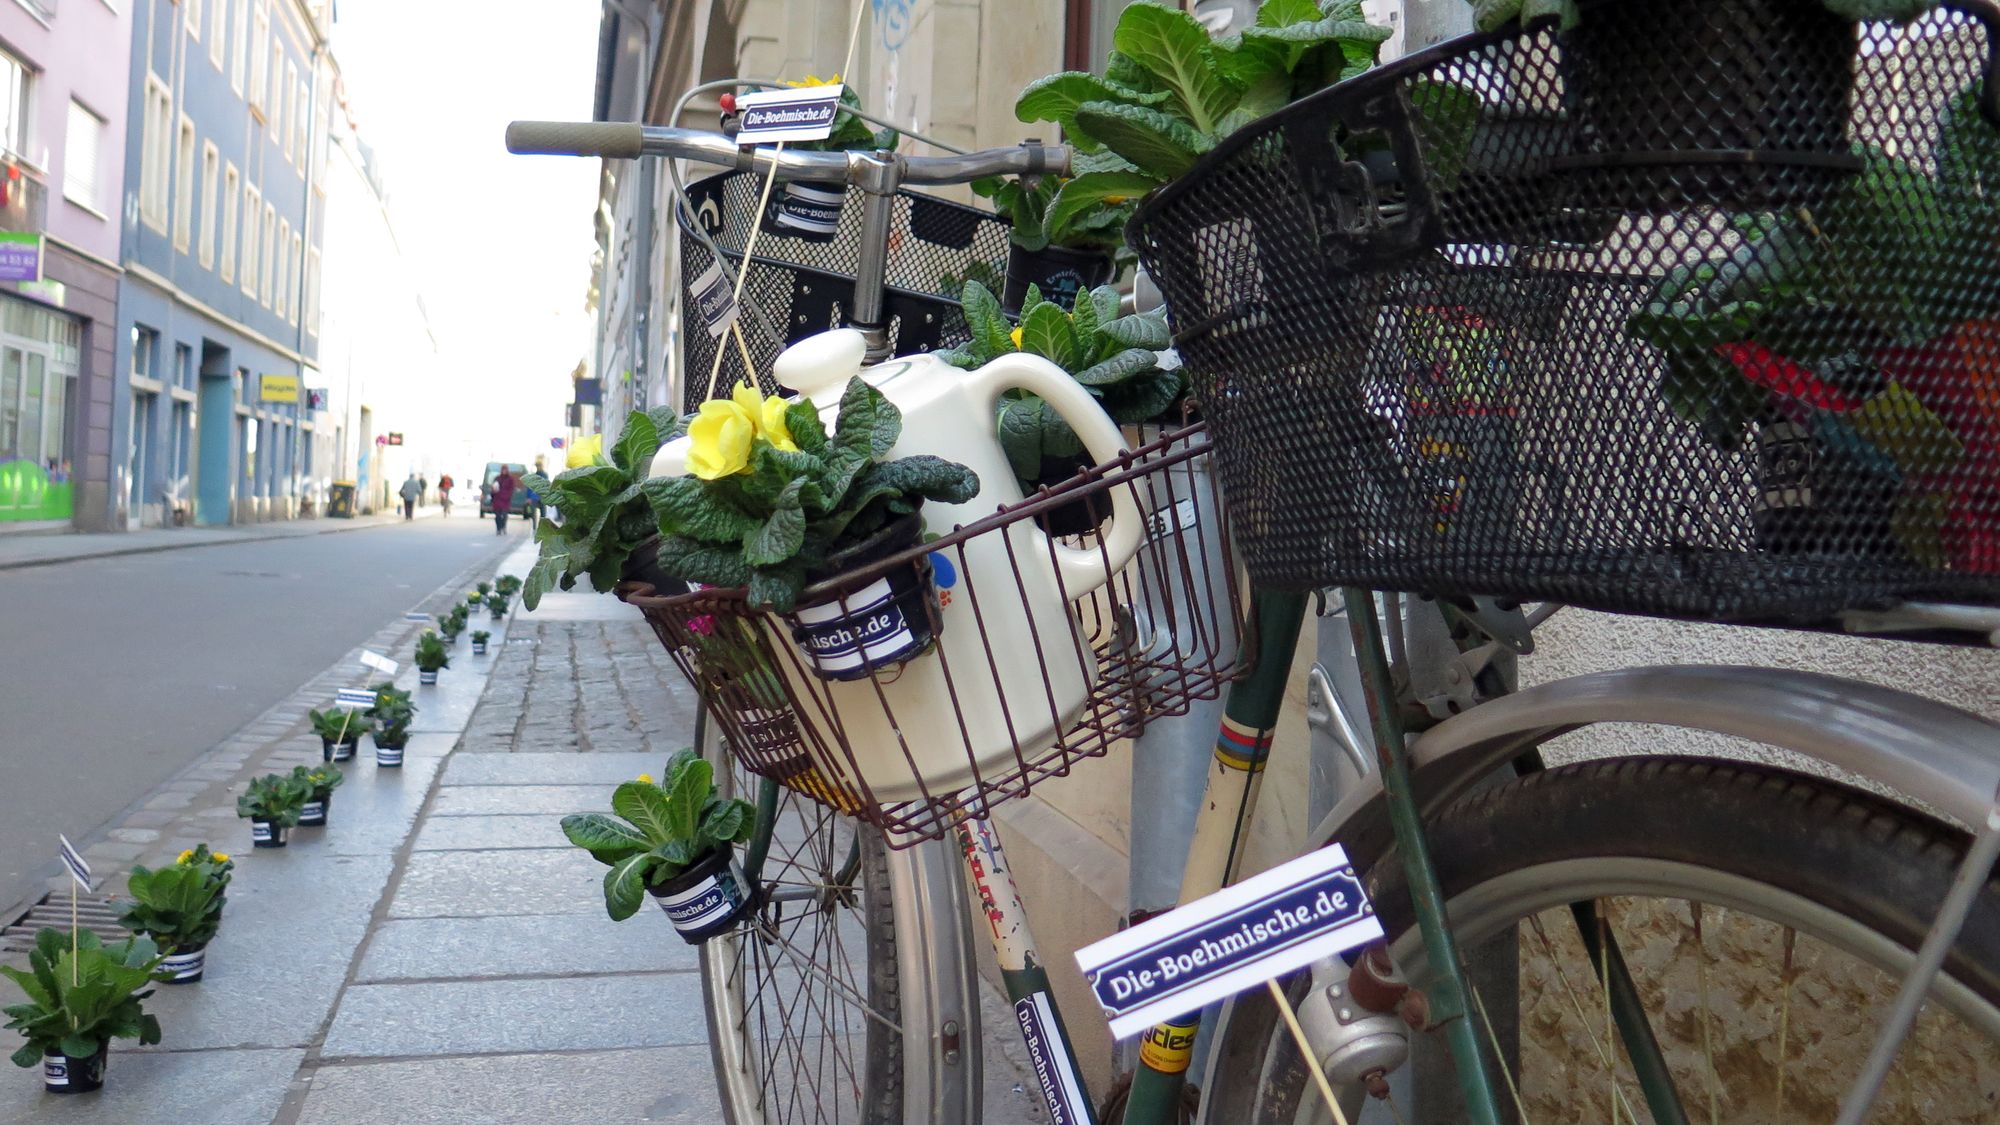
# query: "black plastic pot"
1078,517
331,751
807,210
643,565
313,813
390,755
184,966
1059,272
1740,104
427,677
479,648
1813,499
707,898
882,624
268,833
64,1075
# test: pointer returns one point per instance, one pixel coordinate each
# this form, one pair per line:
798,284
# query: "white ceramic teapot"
997,697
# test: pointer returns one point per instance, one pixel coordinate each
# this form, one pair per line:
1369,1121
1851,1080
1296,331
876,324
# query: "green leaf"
1021,435
1056,97
1083,322
868,423
645,805
79,1046
636,445
591,480
685,506
1140,330
1278,13
728,822
28,1054
777,587
1170,44
932,478
691,786
777,540
606,839
1161,145
808,433
625,886
1045,331
1093,189
1143,397
1262,67
991,337
1118,368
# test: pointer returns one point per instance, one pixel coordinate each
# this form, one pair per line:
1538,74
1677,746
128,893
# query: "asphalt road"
117,672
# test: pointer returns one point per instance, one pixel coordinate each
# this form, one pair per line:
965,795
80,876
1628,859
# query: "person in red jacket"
503,499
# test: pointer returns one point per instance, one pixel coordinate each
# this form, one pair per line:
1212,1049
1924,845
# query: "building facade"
63,108
223,217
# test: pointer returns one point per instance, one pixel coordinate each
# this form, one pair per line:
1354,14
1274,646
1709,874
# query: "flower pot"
1821,490
807,210
389,756
706,899
643,565
499,615
1059,272
427,677
1078,517
64,1075
313,813
479,648
331,751
185,966
268,833
882,624
1741,104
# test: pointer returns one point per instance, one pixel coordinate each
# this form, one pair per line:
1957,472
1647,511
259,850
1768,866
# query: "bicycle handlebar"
625,140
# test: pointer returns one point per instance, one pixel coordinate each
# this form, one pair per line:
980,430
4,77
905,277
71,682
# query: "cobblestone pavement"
591,686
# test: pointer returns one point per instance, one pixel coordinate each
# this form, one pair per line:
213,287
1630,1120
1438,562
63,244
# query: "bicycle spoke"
1499,1055
1714,1082
1784,1024
1576,1004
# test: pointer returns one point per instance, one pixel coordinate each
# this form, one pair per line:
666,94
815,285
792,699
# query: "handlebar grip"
613,139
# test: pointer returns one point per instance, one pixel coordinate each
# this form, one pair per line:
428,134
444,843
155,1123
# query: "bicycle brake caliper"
1355,1024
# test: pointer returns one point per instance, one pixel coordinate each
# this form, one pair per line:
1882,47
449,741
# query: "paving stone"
494,1016
550,944
551,769
470,833
135,835
210,1087
489,800
477,884
666,1084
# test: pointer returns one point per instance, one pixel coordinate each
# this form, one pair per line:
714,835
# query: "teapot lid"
819,366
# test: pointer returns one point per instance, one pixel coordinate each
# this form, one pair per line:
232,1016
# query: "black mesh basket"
1460,328
800,285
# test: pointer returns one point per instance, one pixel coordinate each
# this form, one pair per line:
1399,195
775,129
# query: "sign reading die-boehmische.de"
802,114
1237,938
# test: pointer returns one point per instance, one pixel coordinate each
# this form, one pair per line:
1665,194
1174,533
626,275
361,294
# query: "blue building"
218,306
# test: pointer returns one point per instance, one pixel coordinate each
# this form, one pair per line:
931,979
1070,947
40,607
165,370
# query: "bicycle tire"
916,978
1799,849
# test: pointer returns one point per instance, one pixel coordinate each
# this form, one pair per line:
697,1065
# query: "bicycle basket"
988,695
1451,343
802,281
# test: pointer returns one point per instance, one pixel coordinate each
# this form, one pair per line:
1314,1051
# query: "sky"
502,243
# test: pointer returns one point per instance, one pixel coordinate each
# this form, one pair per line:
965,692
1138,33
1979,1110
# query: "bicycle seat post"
878,174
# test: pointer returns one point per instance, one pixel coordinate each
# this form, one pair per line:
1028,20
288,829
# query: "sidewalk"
439,953
42,548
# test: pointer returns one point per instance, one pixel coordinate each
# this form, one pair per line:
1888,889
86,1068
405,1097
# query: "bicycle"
1830,874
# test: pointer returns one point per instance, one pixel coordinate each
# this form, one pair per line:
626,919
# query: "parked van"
520,505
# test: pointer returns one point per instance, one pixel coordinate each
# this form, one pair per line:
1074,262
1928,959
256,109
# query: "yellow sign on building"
278,388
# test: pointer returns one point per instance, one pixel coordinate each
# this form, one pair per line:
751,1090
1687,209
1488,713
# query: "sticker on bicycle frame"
715,297
803,114
1168,1047
1234,939
1061,1091
378,662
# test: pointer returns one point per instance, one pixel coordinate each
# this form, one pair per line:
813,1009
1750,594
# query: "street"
118,671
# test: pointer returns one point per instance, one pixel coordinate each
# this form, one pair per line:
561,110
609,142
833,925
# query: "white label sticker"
705,903
416,617
354,697
378,662
1237,938
802,114
870,627
715,297
1061,1091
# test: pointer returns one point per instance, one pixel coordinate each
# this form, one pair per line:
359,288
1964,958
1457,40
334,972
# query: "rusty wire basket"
1015,685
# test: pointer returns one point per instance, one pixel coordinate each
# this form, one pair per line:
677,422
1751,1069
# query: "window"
301,125
297,263
155,152
184,366
239,44
194,18
251,200
312,291
269,282
184,185
17,84
209,158
218,31
145,348
291,116
82,141
283,284
229,222
259,49
274,74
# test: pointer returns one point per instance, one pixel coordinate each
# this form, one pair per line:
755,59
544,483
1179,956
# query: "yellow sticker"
1168,1047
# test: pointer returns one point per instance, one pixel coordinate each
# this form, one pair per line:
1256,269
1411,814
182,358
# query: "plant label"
55,1071
354,697
704,904
1061,1091
873,628
73,859
1234,939
260,830
803,114
378,662
716,298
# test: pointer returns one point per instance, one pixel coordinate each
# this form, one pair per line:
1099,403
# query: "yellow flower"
1016,337
585,453
1114,200
220,857
187,855
646,777
720,437
809,80
772,424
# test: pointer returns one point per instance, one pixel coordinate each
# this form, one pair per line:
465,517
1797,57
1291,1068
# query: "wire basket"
1004,696
801,283
1452,339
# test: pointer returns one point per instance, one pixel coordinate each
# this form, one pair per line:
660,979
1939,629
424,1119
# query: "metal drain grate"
96,913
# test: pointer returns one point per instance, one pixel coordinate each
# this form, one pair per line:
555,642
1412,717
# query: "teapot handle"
1081,570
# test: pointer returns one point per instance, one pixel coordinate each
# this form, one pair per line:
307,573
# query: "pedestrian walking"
503,499
444,492
410,491
423,489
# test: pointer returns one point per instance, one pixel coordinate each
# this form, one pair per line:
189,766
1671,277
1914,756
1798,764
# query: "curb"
156,548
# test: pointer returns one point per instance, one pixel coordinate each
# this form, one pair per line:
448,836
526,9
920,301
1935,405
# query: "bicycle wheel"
1766,917
849,995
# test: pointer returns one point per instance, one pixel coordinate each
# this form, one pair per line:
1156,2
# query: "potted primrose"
430,658
272,805
675,841
180,908
811,210
320,781
609,532
496,604
1060,253
774,503
452,624
340,730
509,584
479,639
1116,358
392,729
81,994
